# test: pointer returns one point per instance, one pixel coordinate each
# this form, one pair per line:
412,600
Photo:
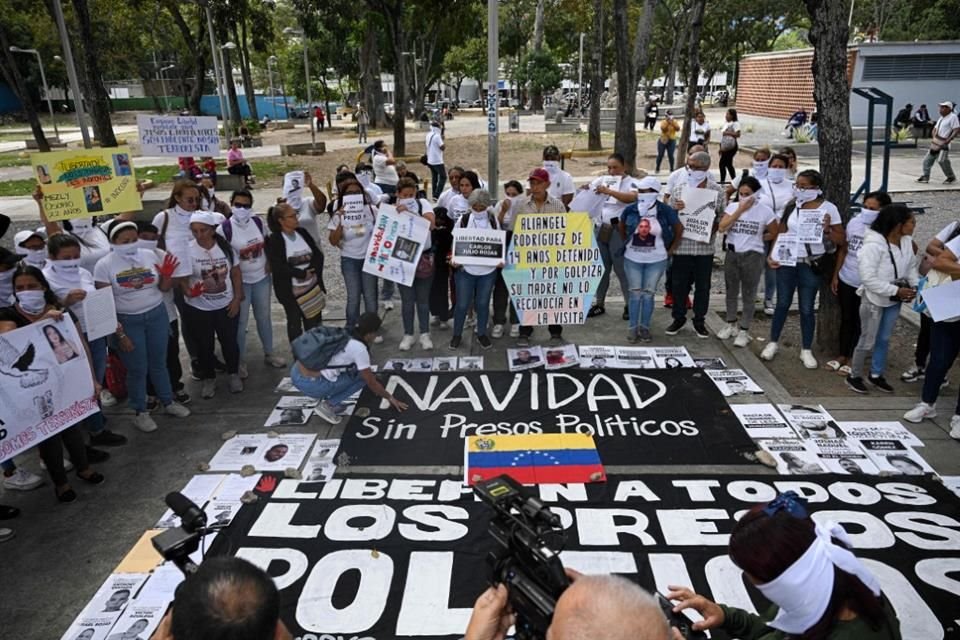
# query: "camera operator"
227,598
820,590
608,607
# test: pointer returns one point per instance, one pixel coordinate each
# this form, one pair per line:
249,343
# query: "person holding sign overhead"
416,297
819,232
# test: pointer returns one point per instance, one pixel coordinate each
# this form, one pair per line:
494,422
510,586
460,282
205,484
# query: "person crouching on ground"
347,372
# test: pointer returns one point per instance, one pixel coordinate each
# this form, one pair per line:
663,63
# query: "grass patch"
17,187
13,159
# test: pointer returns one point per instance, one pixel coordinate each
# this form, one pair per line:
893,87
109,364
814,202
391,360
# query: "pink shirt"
234,156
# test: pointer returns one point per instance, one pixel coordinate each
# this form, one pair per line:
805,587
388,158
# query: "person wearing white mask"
744,225
676,178
814,263
651,231
209,199
247,233
31,246
415,299
350,228
818,588
308,208
138,279
846,279
776,192
562,186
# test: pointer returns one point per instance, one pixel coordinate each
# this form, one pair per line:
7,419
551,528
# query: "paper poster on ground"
320,465
597,357
87,182
523,358
880,431
672,358
445,363
398,364
286,386
698,214
478,247
470,363
421,365
262,452
138,621
893,456
45,384
793,456
709,362
176,136
291,410
395,245
786,250
810,225
810,421
842,455
106,606
635,358
561,357
733,382
553,267
762,421
199,489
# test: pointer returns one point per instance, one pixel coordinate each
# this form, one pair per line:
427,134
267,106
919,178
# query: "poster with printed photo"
470,363
786,250
672,358
733,382
810,225
320,465
598,357
714,362
105,608
876,430
843,455
289,416
199,489
262,452
561,357
293,185
445,363
395,245
635,358
397,365
220,513
762,421
421,365
523,358
793,456
810,421
139,621
893,456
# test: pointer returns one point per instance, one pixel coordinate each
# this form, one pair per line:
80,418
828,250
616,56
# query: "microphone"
192,518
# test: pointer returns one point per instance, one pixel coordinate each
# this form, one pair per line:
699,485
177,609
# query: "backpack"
225,246
316,347
227,227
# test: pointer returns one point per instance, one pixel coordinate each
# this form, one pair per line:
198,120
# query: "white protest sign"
396,245
590,201
943,302
178,135
293,188
100,313
45,384
698,213
786,249
479,247
810,227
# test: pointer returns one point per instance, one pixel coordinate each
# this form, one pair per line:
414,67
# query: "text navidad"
429,540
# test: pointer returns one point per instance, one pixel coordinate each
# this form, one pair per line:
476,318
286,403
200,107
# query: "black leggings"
849,318
726,164
211,327
923,341
297,323
51,452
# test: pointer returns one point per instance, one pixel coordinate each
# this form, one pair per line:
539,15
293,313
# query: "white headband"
804,590
117,228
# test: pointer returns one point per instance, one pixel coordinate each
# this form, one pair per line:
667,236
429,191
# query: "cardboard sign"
88,182
396,245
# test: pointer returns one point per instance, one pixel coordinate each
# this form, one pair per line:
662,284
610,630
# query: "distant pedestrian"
944,131
650,114
667,143
363,121
435,148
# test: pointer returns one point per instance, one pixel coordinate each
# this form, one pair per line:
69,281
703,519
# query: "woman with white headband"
819,589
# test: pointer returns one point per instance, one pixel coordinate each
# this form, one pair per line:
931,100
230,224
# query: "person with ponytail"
819,589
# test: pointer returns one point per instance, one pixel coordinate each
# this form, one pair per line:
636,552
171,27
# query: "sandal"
67,496
833,365
845,370
94,477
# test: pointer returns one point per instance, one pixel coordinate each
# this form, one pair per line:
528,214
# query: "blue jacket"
666,216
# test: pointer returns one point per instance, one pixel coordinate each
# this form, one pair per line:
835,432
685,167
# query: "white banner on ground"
45,384
396,245
178,135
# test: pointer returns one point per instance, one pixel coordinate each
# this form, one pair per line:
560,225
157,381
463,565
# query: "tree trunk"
326,101
97,99
11,75
392,12
370,85
244,52
536,96
630,60
596,80
197,53
674,61
831,90
693,74
227,70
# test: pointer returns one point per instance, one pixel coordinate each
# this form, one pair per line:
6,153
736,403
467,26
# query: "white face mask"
694,178
242,214
150,245
551,165
409,203
646,200
761,169
804,196
6,286
81,226
180,211
35,257
33,302
776,174
69,268
128,251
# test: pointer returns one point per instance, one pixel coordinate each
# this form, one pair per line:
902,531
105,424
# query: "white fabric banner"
178,135
396,245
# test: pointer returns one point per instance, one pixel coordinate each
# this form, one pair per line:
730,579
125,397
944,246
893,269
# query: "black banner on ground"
380,558
669,416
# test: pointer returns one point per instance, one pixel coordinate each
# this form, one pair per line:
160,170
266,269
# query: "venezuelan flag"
534,459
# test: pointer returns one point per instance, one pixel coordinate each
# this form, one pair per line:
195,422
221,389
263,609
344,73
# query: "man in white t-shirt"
561,183
435,148
944,131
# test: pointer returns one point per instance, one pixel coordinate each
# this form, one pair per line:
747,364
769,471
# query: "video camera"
177,544
529,540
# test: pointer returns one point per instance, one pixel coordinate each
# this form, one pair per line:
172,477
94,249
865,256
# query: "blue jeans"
789,281
876,327
642,278
944,347
334,392
358,284
665,148
149,333
611,252
98,359
256,295
475,290
416,298
387,289
438,174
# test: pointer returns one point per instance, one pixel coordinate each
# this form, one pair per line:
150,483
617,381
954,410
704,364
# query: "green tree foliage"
539,71
465,60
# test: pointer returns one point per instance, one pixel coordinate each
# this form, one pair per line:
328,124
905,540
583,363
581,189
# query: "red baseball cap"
539,174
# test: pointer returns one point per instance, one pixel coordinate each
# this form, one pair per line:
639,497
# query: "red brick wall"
775,85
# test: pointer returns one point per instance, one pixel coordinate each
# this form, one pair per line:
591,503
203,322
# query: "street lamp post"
493,102
163,85
290,31
580,80
46,89
227,77
216,66
273,97
71,73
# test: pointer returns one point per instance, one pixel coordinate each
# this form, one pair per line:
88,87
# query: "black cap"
368,323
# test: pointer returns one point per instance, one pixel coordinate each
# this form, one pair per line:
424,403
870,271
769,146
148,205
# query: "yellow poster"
88,182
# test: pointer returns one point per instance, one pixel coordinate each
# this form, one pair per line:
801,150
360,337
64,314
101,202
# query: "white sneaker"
107,399
743,338
144,422
515,331
176,410
274,361
242,371
425,342
443,324
23,480
325,411
497,331
388,305
806,357
378,340
770,351
728,331
235,384
955,427
407,343
921,412
208,388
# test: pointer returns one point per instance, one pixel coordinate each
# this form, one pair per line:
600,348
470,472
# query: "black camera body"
527,559
177,544
900,283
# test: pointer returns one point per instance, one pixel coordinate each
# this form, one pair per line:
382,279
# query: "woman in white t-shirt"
475,284
813,262
138,279
729,145
345,373
384,168
700,130
213,292
247,234
415,299
777,191
745,223
351,225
